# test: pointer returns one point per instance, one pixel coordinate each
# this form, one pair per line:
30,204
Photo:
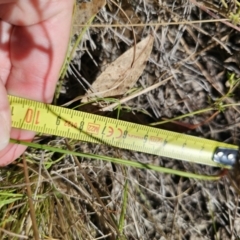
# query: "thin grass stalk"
124,162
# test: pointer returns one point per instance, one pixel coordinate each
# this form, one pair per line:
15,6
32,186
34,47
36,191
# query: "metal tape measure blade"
59,121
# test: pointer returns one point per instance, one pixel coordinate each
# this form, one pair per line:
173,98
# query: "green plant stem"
124,207
183,116
124,162
30,202
194,113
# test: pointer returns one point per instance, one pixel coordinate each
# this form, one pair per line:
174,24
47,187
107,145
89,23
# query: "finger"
31,12
5,63
5,121
37,54
7,1
13,151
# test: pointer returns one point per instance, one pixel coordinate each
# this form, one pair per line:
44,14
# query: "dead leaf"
120,76
84,11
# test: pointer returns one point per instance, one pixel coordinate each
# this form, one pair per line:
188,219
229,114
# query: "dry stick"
227,199
193,55
13,234
93,94
61,219
35,182
31,206
153,24
235,216
63,186
234,125
205,9
51,219
176,209
123,100
95,193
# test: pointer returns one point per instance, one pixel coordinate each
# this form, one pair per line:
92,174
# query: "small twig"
123,100
13,234
31,206
154,24
202,7
231,126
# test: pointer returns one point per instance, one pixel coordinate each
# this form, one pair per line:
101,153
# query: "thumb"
5,120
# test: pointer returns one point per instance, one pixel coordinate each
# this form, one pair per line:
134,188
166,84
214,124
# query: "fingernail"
4,131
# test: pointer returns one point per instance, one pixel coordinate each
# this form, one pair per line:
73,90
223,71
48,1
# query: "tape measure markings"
54,120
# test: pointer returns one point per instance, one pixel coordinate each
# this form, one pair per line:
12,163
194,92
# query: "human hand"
34,35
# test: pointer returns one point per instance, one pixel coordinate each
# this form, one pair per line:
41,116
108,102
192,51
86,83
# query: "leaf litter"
123,73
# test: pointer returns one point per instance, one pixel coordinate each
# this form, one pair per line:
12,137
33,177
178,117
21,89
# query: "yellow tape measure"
59,121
